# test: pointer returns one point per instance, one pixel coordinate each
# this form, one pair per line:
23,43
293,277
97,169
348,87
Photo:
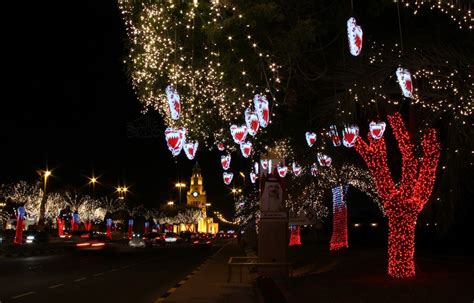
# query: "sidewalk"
209,283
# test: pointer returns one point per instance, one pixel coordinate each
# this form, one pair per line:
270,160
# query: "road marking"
171,290
24,295
98,274
182,282
57,285
80,279
113,269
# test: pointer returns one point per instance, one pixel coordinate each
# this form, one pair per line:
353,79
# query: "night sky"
67,103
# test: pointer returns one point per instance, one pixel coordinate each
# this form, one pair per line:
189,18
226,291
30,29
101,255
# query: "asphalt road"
125,275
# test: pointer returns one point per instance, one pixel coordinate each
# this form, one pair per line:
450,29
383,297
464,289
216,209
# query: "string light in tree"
404,80
402,201
354,35
349,135
190,149
310,138
339,226
227,177
225,161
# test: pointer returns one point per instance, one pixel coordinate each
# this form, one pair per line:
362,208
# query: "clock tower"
196,195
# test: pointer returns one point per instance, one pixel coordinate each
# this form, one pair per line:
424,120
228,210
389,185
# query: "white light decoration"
263,110
282,170
239,133
227,177
252,122
175,138
220,146
314,170
377,129
269,166
246,149
174,102
264,164
324,160
225,161
350,134
404,80
310,138
190,149
253,177
297,169
256,167
354,35
336,140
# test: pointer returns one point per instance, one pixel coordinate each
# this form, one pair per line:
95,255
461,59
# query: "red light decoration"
354,35
402,202
130,228
295,238
339,220
88,225
60,227
20,218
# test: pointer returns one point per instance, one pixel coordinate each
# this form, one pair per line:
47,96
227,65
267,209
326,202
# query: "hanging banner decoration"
262,108
190,149
336,140
239,133
350,134
296,169
282,170
264,164
324,160
256,167
146,227
252,122
377,129
175,138
220,146
354,35
227,177
404,80
174,102
314,170
310,138
246,149
225,161
253,177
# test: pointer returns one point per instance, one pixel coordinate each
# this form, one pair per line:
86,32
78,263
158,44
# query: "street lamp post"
180,185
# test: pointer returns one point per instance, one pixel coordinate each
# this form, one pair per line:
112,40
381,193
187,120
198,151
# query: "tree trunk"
401,245
42,209
339,219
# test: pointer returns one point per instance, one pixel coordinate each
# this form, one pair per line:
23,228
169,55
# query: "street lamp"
92,181
122,191
243,176
46,175
170,203
180,185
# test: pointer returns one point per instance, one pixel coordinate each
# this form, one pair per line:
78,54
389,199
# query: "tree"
26,194
404,201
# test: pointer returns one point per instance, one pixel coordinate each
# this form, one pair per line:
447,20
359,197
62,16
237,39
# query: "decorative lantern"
354,35
246,149
175,138
336,140
263,111
404,80
227,177
310,138
377,129
239,133
190,149
252,122
174,102
349,135
225,161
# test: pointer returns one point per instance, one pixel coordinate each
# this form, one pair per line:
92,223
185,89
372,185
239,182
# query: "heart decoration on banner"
314,170
377,129
174,102
324,160
190,149
296,169
246,149
251,120
336,140
349,135
227,177
175,138
253,177
225,161
404,80
256,167
310,138
264,164
354,35
239,133
220,146
260,103
282,170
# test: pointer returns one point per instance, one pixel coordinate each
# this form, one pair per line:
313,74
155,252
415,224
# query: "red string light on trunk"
339,219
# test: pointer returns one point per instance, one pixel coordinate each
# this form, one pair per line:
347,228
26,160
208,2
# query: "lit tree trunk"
295,238
339,219
402,203
42,209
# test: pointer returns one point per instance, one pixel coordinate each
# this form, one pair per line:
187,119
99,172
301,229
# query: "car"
35,237
202,242
95,242
154,238
137,242
171,238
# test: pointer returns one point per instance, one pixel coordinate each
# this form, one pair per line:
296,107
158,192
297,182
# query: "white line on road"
23,295
80,279
98,274
57,285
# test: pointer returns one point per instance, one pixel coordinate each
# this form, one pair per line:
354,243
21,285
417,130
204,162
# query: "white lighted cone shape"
251,120
404,80
349,135
239,133
246,149
377,129
297,169
227,177
190,149
256,167
282,170
270,166
264,164
175,138
336,140
262,109
225,161
314,170
324,160
253,177
174,102
310,138
354,35
220,146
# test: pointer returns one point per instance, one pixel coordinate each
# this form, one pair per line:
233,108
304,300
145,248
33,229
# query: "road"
125,275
